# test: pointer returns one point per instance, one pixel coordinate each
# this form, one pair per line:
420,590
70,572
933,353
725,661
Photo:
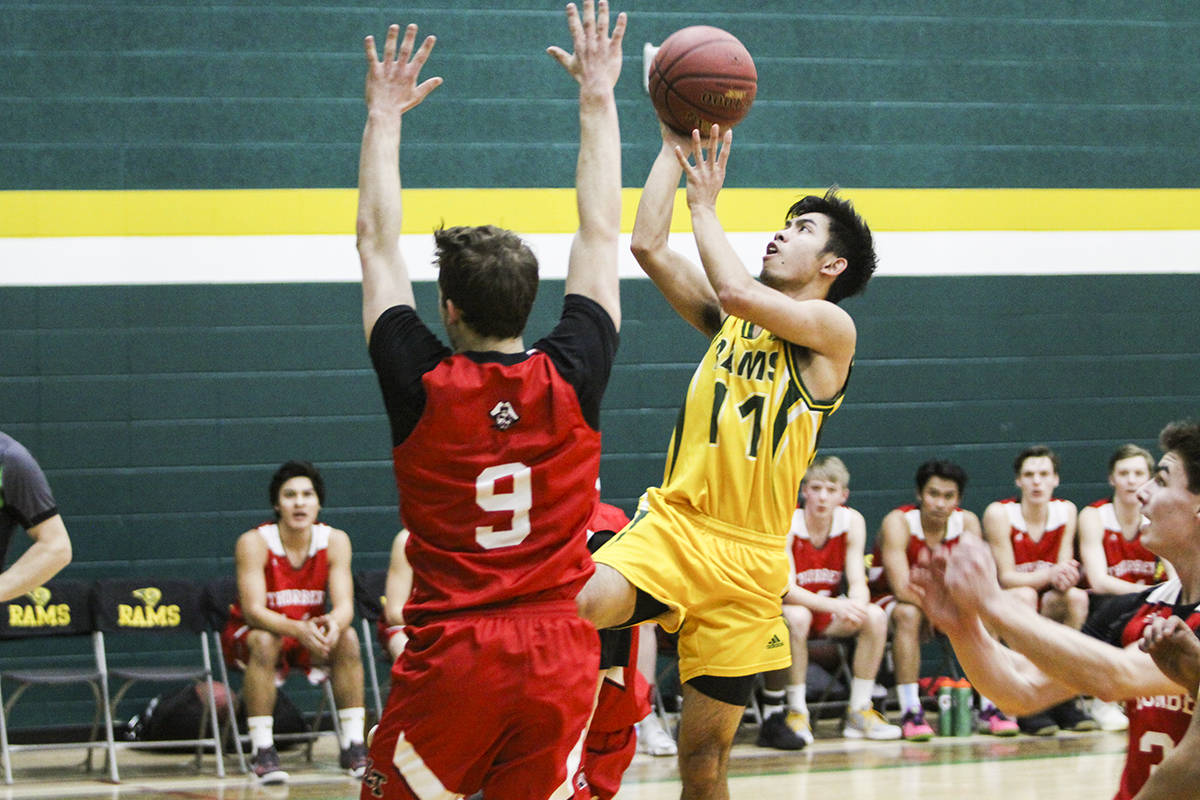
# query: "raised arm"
817,324
682,283
391,90
596,65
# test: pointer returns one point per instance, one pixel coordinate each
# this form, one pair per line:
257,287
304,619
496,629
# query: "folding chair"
220,594
61,610
141,608
368,604
831,656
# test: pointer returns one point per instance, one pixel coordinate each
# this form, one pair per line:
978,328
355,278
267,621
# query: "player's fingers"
426,48
559,55
574,26
406,46
426,87
726,141
389,46
589,18
714,134
618,32
371,53
682,159
602,19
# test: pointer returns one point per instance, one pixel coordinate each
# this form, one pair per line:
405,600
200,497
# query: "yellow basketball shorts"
722,588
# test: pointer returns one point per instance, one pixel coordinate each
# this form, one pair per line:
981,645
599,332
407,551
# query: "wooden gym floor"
1064,767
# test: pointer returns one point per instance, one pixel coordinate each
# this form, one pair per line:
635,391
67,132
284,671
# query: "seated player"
286,571
906,533
1033,541
826,546
1114,559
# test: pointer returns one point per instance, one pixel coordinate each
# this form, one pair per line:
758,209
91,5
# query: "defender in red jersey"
1045,662
1110,530
288,573
496,449
906,534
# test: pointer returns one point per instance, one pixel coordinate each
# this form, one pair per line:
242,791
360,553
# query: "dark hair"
296,469
1183,438
936,468
849,238
1130,451
490,274
1035,451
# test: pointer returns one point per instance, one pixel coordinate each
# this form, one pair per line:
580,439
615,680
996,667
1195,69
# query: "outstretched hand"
596,62
392,83
927,578
1175,650
706,176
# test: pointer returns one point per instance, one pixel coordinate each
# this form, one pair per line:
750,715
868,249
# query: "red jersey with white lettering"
1127,559
497,485
1156,724
1031,555
295,592
877,578
819,569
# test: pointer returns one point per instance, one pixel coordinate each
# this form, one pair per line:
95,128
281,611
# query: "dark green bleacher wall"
978,93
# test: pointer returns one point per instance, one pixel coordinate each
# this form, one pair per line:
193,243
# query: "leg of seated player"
1069,607
706,731
1026,594
346,672
907,623
862,720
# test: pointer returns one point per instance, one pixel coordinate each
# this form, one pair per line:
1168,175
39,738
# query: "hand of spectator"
1175,650
1064,576
314,637
850,610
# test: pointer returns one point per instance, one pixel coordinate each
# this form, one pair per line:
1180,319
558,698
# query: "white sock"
860,693
797,698
907,694
262,732
985,704
351,721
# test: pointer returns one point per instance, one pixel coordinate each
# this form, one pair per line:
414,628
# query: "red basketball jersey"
1156,724
497,483
607,518
819,569
1030,555
877,578
295,592
1127,559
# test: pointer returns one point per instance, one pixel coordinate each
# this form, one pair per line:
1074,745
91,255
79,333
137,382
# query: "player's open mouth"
772,248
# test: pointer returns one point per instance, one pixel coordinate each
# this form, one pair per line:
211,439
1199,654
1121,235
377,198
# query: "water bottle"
945,704
964,723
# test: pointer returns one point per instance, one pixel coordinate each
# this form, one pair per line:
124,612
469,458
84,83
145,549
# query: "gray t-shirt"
25,498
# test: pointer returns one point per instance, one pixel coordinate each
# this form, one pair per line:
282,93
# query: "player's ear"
452,312
834,268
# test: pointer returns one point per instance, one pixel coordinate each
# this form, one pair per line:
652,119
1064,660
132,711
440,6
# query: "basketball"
702,75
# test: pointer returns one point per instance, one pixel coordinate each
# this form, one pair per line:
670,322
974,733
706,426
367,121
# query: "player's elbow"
736,298
647,250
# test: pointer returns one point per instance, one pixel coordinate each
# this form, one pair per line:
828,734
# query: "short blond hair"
828,468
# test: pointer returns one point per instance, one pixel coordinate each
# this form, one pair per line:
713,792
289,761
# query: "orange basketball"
702,75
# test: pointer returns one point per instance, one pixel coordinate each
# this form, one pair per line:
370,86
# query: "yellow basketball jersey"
746,432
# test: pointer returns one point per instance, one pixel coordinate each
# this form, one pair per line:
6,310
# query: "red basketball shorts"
495,701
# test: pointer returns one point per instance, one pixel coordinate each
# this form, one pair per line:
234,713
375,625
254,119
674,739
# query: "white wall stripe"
110,260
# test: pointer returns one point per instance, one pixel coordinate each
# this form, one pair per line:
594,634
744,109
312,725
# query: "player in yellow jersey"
705,553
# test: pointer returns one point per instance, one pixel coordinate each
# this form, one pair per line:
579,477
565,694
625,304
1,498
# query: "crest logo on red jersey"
503,415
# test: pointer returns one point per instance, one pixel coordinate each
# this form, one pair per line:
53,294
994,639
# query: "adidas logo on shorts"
775,642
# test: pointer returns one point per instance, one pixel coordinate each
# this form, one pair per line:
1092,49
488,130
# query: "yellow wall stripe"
265,212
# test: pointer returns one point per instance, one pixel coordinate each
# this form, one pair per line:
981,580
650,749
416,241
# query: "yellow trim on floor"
265,212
